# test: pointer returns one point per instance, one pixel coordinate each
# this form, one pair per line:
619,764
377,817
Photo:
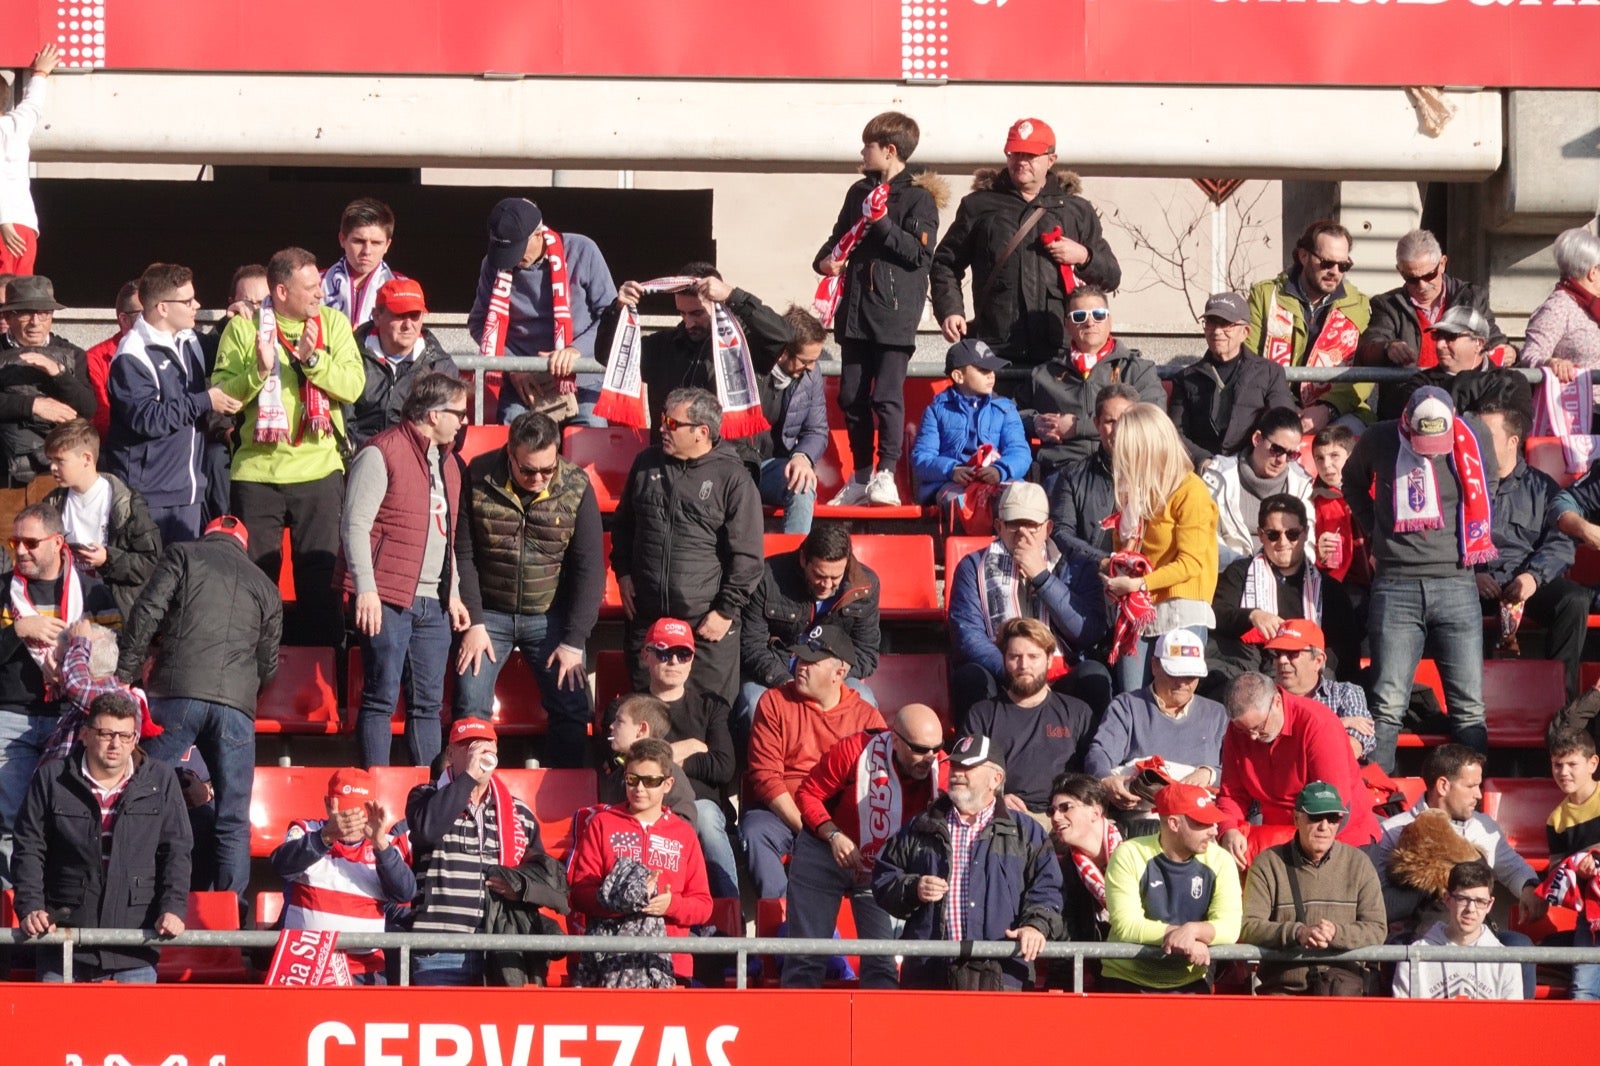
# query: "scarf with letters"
1567,412
1416,493
513,839
497,319
1564,888
880,794
272,418
830,290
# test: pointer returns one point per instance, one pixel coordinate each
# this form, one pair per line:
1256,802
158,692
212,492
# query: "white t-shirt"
87,514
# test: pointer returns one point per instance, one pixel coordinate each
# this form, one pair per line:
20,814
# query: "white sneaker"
854,494
881,490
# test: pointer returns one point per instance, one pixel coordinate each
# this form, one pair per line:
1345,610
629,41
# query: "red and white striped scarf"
69,610
1094,878
356,300
880,794
1564,888
1135,611
1567,412
622,399
830,290
1085,362
272,417
497,319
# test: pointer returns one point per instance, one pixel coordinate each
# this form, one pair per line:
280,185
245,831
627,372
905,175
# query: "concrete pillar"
1377,214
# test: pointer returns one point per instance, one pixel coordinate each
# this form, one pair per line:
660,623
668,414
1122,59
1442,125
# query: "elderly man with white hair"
1564,331
1398,333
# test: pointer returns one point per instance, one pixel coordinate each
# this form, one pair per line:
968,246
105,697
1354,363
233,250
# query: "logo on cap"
815,634
1024,129
1431,425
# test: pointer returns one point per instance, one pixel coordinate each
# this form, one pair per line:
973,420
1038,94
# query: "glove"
876,204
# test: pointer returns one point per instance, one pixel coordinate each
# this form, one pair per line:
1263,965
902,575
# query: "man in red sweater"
858,796
99,357
1276,744
795,725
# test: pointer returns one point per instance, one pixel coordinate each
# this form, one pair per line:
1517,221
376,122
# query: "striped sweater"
455,843
344,888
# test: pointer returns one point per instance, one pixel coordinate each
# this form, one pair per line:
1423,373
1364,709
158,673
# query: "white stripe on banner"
81,35
925,40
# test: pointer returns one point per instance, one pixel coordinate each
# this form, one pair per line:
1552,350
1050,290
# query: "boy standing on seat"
875,280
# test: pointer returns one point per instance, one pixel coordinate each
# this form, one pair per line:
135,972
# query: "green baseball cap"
1319,797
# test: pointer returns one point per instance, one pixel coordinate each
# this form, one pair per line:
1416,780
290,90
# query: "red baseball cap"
230,525
669,633
354,783
401,296
1297,634
1192,800
1031,135
469,729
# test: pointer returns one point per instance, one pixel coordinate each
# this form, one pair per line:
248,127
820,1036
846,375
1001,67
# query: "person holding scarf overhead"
540,294
1421,490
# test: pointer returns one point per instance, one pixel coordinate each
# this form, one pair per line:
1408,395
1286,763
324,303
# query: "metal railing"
741,948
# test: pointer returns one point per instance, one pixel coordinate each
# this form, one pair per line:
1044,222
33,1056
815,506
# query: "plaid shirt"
1347,700
962,836
108,799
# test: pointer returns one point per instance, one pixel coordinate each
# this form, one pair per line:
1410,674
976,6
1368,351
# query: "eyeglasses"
459,412
635,780
1280,452
672,425
672,655
1212,322
1342,266
1272,536
535,471
192,301
31,543
1471,903
1078,316
1288,653
115,735
1418,279
1329,817
920,749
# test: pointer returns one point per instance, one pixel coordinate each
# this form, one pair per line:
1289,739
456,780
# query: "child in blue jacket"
963,418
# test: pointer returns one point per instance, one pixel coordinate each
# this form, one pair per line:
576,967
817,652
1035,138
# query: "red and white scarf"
308,958
497,319
830,290
1094,878
355,300
1261,593
1069,276
1135,610
1085,362
1567,412
880,795
69,610
622,399
513,839
1335,346
272,417
1416,494
1564,888
973,510
1000,595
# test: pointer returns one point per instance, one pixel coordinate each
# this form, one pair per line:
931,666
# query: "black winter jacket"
21,433
57,866
218,619
133,543
1083,494
1215,412
1395,319
1022,310
886,282
1468,389
389,384
780,613
1056,388
1229,656
689,535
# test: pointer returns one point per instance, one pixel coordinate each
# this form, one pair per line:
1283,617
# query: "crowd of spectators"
1161,729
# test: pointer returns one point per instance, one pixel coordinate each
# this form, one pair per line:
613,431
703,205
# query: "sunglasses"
1279,451
533,471
31,543
1418,279
1343,266
1083,314
459,412
650,781
672,655
672,425
1326,817
919,749
1275,535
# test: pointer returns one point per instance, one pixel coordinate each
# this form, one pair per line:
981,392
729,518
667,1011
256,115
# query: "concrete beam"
753,125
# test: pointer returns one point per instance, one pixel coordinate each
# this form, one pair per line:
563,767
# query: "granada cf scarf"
1416,494
497,319
308,958
974,509
1565,412
68,610
1564,888
1335,346
880,794
831,290
1069,276
272,418
622,400
513,839
1085,362
1135,611
356,301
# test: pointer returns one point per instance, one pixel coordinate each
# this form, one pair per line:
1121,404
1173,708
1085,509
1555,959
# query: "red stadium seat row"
1520,698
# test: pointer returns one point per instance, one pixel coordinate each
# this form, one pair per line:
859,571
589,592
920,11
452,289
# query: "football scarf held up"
830,290
622,399
272,417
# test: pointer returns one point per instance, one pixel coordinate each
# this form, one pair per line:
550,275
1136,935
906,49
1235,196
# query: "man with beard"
1037,730
969,868
862,792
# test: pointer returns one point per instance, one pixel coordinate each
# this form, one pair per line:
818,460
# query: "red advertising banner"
1539,43
107,1025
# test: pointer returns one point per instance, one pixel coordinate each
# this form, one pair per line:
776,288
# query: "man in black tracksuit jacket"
686,542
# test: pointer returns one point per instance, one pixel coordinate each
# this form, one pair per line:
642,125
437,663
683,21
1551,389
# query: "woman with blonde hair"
1166,516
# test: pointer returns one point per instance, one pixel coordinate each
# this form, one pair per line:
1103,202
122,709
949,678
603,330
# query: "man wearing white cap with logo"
1422,491
1164,720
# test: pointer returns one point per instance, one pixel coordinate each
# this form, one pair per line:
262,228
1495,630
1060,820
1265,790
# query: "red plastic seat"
611,598
778,543
518,703
1412,788
269,908
1307,462
956,549
1544,453
913,678
1521,697
1522,806
904,565
481,439
772,913
836,466
606,454
301,698
286,571
553,795
206,910
280,795
1427,674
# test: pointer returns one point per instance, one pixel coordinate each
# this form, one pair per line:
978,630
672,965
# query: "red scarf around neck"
1086,362
1590,304
497,320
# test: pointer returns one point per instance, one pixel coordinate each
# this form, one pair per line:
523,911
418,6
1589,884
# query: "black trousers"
311,510
872,395
1562,608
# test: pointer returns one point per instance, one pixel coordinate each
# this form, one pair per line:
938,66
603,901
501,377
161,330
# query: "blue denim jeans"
226,739
816,887
798,507
767,841
89,973
536,636
22,738
419,638
722,869
1585,975
1439,617
448,969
